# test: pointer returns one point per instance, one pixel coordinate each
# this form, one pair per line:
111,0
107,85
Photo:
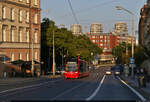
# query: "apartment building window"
4,34
20,35
35,2
101,36
20,56
27,35
4,12
27,56
36,55
27,1
35,37
93,41
12,57
12,15
12,35
27,16
93,36
36,18
20,15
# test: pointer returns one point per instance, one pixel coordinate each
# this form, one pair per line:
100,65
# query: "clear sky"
89,11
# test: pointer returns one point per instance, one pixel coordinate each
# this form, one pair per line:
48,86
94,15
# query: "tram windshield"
71,66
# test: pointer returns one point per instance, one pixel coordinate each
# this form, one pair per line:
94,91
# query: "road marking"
9,90
137,93
96,91
67,91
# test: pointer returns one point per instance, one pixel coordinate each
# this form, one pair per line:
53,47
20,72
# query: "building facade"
107,41
144,23
20,26
104,40
76,29
121,28
96,28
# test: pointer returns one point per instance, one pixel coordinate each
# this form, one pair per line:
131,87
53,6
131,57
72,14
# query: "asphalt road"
95,87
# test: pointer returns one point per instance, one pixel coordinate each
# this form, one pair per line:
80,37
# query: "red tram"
76,68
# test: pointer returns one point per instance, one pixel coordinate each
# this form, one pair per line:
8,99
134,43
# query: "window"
27,1
27,16
20,15
35,2
4,34
27,56
12,57
93,36
36,55
101,36
20,35
12,15
35,37
93,41
27,36
12,36
36,18
4,12
20,56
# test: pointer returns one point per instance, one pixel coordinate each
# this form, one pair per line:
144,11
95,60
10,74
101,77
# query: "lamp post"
54,68
121,8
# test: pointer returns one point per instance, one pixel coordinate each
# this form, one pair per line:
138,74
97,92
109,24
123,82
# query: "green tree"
66,43
139,54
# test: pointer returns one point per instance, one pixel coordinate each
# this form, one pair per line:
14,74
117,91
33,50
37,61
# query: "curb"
50,76
145,94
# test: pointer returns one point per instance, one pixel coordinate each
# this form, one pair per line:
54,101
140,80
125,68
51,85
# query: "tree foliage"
120,51
66,43
139,55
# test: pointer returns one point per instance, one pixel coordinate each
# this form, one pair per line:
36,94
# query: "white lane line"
137,93
67,91
9,90
96,91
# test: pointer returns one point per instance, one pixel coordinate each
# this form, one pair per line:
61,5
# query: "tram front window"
71,67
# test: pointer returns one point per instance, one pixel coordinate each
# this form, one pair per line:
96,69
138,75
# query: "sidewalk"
134,83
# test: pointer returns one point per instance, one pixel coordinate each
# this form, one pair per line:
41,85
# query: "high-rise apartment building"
96,28
121,28
19,27
76,29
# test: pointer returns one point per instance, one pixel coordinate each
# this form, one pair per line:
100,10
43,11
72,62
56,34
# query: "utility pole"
132,46
32,39
54,69
121,8
32,69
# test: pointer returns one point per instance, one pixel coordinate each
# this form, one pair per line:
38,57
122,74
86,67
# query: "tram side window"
84,67
80,67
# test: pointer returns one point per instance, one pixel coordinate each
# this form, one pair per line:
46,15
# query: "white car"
108,72
117,72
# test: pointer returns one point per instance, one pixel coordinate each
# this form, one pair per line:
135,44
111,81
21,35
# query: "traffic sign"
132,60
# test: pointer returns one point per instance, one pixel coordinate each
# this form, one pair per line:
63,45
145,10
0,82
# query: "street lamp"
121,8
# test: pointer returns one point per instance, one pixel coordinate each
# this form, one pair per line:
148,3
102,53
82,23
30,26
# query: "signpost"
132,65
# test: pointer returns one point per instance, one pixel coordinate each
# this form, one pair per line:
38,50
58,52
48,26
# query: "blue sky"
89,11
